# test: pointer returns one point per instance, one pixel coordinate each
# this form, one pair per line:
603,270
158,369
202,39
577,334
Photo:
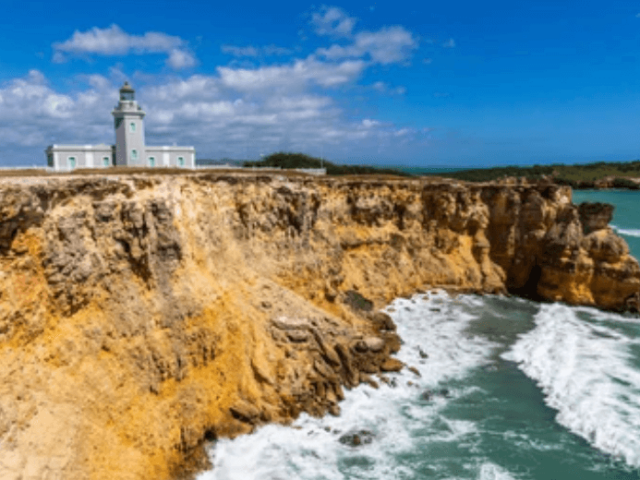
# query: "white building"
130,148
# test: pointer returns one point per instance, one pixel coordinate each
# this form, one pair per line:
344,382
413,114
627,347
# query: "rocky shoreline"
142,315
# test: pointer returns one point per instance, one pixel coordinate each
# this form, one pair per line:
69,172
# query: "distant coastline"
598,175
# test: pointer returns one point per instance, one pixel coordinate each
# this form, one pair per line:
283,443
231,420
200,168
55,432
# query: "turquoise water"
511,389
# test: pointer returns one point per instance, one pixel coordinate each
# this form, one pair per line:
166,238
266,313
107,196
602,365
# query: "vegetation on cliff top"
300,160
590,175
587,175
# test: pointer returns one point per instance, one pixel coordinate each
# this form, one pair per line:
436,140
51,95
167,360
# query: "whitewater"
508,389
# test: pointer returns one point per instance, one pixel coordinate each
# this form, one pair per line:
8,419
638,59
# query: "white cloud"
451,43
180,59
281,106
387,45
251,51
332,21
115,41
294,76
204,111
34,115
368,123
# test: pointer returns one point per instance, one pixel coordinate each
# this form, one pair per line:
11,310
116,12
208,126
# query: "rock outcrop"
142,314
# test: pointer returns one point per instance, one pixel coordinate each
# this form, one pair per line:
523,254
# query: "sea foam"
585,370
400,421
630,232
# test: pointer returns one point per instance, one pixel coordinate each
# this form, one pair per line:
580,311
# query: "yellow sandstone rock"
141,314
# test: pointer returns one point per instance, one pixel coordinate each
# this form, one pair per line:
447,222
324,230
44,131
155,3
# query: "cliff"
141,314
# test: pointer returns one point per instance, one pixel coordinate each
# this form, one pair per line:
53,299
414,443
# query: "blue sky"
427,84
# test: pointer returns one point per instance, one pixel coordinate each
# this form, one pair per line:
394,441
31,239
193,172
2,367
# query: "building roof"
126,87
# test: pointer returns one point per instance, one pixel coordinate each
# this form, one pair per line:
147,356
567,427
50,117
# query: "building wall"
86,156
169,156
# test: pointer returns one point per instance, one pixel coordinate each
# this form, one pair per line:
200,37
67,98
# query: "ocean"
508,389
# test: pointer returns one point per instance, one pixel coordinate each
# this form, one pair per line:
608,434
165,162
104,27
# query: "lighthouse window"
132,127
134,154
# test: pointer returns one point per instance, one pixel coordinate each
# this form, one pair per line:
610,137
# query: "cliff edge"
140,315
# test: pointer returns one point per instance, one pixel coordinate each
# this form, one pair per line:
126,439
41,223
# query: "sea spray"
472,414
403,417
588,372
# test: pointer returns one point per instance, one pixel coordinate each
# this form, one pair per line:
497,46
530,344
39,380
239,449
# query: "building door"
72,163
181,161
152,161
105,162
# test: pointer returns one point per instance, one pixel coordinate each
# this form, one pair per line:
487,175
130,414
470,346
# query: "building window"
132,127
152,161
105,161
134,155
72,162
181,161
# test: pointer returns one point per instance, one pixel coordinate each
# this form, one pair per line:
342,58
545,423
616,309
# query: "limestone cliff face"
141,314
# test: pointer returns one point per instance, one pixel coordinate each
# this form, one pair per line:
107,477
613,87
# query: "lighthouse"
128,118
130,148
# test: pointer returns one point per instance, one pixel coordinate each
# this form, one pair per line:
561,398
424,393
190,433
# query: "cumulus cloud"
251,51
34,115
332,21
220,118
286,105
385,46
294,76
115,41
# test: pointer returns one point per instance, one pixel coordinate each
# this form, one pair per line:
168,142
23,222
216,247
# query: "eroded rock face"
140,315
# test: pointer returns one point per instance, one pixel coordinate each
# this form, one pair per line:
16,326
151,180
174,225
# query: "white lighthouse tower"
129,123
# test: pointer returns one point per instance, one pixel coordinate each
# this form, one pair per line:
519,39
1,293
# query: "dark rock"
356,301
357,438
244,411
595,216
383,322
392,382
393,341
422,353
334,410
415,371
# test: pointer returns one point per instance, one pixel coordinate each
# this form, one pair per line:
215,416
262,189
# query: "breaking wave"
587,369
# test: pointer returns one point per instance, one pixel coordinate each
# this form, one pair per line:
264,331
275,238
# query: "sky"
443,84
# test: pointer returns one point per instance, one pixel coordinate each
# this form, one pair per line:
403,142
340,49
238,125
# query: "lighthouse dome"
127,93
